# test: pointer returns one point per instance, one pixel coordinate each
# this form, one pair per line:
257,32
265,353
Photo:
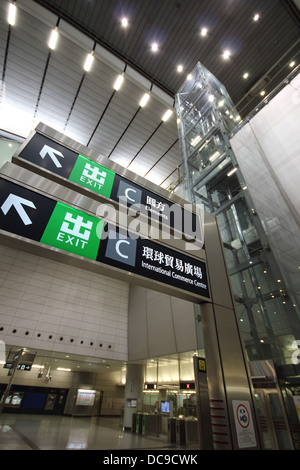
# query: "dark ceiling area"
263,48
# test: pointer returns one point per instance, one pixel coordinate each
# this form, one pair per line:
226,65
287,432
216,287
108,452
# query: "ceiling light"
118,82
179,68
214,156
204,32
124,22
167,115
195,140
63,369
211,98
189,77
88,62
53,39
144,100
256,17
263,93
226,54
154,47
293,63
11,17
246,75
231,172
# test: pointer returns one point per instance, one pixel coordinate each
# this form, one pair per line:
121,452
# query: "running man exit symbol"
18,202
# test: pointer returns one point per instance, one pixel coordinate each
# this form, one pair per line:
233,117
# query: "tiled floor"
40,432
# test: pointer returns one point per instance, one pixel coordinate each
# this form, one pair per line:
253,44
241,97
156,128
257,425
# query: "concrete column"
133,391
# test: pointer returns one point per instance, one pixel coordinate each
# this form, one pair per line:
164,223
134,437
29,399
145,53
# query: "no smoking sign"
243,416
244,424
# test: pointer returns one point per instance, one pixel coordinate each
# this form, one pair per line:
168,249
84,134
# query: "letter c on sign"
118,248
126,194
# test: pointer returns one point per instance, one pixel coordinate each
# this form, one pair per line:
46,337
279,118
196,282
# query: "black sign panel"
23,212
9,365
50,155
152,260
75,167
36,217
187,385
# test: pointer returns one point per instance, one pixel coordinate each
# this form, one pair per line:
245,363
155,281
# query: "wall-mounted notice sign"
64,162
36,217
244,424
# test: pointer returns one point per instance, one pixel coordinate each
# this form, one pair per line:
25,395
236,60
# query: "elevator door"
272,419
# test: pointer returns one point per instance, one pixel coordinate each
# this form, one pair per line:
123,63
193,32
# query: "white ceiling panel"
51,86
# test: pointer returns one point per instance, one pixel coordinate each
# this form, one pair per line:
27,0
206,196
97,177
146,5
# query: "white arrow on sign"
46,150
17,202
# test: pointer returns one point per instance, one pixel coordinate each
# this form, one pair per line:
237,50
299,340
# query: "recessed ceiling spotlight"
167,115
118,82
179,68
256,17
204,32
263,93
189,77
226,54
246,75
154,47
144,99
53,39
88,62
292,64
11,16
124,22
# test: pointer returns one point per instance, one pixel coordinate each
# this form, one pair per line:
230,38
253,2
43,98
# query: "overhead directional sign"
62,161
53,154
18,202
34,216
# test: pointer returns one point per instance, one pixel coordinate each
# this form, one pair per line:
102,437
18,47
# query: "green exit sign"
92,176
74,231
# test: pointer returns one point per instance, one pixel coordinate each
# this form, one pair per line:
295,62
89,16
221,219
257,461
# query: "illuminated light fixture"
154,47
226,54
195,140
211,98
53,39
88,62
292,64
11,17
118,82
124,22
214,156
179,68
263,93
167,115
204,32
231,172
246,75
256,17
63,369
144,100
221,103
189,77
